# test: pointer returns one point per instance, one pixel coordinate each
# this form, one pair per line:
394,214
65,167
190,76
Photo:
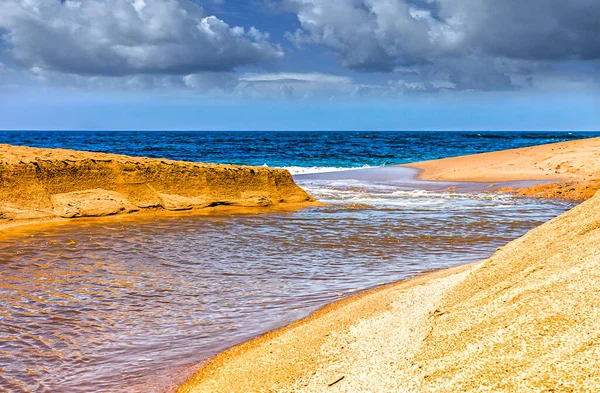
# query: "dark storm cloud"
532,29
375,33
422,45
123,37
382,35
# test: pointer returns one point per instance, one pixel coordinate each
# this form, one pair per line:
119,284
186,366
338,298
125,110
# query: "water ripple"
116,307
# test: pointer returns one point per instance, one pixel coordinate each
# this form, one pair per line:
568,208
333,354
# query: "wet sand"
524,320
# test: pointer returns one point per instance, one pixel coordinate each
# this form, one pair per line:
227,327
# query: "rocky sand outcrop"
42,184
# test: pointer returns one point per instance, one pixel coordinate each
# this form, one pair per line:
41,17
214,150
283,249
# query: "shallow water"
122,306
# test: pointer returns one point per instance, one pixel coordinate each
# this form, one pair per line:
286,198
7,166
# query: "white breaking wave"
302,170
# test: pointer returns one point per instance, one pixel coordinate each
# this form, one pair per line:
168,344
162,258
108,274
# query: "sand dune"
55,184
524,320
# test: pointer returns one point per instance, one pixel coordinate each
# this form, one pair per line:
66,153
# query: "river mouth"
128,306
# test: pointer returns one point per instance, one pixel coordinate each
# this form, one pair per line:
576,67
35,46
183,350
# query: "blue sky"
300,64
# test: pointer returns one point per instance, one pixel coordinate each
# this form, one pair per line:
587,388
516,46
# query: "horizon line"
290,130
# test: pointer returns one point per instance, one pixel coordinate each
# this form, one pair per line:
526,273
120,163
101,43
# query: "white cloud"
291,85
124,37
373,34
295,77
220,85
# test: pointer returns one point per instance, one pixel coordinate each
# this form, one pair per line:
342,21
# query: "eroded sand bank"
38,185
572,167
524,320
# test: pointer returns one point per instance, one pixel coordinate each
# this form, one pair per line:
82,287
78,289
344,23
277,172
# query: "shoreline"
331,315
26,227
574,190
146,187
313,354
463,328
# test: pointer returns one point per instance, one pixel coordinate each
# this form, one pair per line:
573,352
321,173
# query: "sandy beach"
276,196
57,185
523,320
572,169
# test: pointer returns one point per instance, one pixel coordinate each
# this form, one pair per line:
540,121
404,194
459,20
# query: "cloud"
295,78
531,30
126,37
381,34
473,44
398,46
374,35
293,85
214,85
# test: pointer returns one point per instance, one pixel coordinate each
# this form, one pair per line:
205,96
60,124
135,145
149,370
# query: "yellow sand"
574,160
525,320
38,185
573,167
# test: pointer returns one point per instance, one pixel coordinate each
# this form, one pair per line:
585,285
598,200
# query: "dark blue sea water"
290,149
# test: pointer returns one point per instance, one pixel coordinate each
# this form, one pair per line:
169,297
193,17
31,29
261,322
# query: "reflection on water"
117,307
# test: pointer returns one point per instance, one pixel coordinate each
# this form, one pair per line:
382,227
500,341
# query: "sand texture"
572,167
55,184
525,320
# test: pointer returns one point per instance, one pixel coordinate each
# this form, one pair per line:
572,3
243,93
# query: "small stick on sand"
336,381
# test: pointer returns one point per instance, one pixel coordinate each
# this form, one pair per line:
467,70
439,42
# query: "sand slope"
525,320
572,160
573,167
41,184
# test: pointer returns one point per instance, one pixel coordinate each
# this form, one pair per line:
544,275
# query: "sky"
300,64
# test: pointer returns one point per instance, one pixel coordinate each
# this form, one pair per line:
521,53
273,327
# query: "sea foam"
300,170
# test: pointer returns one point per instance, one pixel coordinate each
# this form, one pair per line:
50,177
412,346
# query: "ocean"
301,152
132,305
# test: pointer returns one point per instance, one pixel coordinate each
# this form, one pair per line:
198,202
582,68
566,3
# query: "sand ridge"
527,319
39,185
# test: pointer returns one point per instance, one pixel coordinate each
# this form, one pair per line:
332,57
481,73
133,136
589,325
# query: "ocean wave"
301,170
